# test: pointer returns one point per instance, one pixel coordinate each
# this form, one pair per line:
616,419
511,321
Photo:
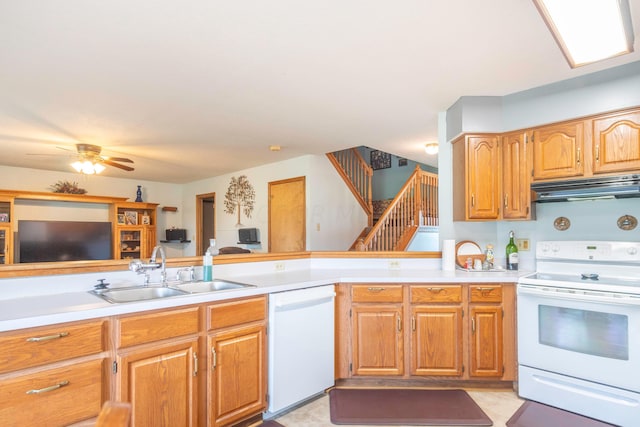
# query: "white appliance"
579,329
301,346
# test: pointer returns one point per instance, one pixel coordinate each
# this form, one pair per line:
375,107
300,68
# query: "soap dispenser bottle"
207,261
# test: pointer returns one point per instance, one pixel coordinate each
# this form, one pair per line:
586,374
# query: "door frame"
200,199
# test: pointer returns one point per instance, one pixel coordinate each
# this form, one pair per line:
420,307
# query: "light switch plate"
523,244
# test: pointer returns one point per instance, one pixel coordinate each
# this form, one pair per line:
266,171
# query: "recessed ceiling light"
589,31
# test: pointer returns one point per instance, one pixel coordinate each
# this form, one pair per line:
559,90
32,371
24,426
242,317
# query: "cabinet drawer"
237,312
485,293
140,329
38,346
377,293
436,293
53,397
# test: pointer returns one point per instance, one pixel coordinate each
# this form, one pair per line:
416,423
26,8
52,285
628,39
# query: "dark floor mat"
534,414
405,407
270,423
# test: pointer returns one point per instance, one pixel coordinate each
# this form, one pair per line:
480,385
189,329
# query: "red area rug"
405,407
534,414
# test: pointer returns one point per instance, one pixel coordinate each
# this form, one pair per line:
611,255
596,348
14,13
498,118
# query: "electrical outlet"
523,244
279,266
318,227
394,265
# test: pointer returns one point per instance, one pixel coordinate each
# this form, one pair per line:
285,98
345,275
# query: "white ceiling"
198,88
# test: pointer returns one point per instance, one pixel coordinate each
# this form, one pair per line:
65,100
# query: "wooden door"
377,339
483,183
558,150
485,335
238,376
616,143
436,340
160,383
287,215
516,194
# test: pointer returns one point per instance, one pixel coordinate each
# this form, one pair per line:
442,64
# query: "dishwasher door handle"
287,303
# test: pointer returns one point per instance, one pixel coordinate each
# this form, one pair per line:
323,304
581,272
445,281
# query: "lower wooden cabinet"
237,379
441,331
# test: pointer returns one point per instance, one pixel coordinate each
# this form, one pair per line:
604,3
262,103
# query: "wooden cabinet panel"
160,383
558,150
6,244
485,293
516,193
237,384
483,182
436,340
616,143
39,346
435,293
378,347
377,293
486,351
144,328
225,314
53,397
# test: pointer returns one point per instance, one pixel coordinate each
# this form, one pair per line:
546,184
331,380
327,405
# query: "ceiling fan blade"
117,165
119,159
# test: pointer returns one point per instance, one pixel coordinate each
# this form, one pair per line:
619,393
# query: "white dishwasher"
301,345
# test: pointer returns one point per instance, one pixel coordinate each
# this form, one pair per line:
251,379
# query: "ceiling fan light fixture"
431,148
589,31
87,167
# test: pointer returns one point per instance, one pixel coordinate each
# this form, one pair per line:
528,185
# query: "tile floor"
498,405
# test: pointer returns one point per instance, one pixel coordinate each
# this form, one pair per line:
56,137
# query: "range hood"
608,187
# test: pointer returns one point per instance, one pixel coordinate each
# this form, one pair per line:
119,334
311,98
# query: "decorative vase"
139,194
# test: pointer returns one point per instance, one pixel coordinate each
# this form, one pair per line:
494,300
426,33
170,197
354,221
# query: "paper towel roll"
448,255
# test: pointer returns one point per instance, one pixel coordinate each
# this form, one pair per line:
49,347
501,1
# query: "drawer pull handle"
485,290
435,290
48,337
47,389
399,321
372,289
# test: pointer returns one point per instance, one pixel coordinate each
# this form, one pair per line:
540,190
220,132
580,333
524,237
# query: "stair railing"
357,174
415,204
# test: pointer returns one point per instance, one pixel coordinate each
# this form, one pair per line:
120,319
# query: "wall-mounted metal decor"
562,223
380,160
240,196
627,222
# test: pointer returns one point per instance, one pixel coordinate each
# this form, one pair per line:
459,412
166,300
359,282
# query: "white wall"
330,205
590,220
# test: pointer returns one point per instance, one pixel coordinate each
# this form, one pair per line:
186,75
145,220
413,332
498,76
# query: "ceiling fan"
91,161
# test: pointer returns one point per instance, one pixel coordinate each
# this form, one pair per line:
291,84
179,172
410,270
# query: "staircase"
415,204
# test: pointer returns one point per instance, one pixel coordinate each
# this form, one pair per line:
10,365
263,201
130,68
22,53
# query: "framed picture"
121,220
146,219
4,217
131,217
402,162
380,160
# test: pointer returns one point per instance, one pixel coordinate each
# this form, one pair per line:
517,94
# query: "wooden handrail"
415,204
357,174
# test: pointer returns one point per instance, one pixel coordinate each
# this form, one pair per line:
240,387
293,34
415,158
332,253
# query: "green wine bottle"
512,253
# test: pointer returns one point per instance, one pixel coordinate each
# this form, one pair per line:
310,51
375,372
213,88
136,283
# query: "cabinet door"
485,335
483,180
558,150
436,340
149,242
616,143
516,194
377,340
160,383
6,247
129,241
237,381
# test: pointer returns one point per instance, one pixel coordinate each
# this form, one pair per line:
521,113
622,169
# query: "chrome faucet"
143,268
163,265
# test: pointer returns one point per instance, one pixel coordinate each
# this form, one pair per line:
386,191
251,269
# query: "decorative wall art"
380,160
240,196
402,162
131,217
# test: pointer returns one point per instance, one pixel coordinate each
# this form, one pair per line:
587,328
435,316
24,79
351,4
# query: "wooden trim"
62,197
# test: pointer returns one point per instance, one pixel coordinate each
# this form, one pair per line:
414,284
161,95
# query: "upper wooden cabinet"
491,177
558,150
134,229
616,142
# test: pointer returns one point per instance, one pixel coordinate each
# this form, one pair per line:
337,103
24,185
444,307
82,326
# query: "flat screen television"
48,241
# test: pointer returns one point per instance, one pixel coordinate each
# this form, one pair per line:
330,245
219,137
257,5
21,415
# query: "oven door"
588,335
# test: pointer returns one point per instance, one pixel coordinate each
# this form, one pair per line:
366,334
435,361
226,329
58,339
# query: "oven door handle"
578,295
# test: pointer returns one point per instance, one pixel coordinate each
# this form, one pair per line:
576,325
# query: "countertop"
31,311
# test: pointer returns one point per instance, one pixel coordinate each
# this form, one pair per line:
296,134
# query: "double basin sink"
144,293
